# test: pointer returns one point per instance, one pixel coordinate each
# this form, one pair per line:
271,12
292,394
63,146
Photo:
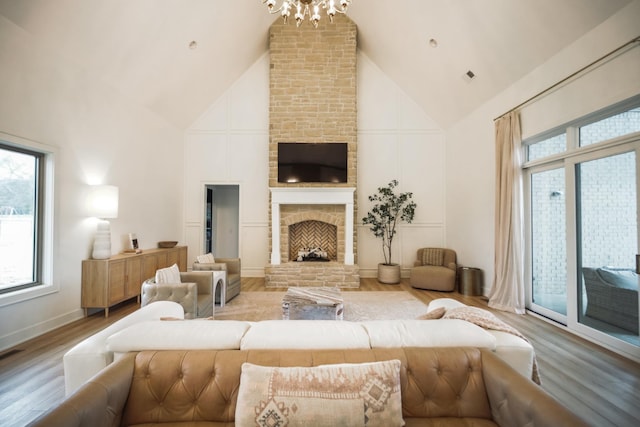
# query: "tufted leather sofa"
232,267
460,386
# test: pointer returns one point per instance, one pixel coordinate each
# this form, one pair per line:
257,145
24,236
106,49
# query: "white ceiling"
141,46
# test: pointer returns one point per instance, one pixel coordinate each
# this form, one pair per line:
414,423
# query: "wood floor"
597,384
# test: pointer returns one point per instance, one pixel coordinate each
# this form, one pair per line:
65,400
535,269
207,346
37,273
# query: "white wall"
396,140
229,144
99,137
471,152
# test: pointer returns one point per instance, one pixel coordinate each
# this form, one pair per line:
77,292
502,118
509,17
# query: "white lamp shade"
103,201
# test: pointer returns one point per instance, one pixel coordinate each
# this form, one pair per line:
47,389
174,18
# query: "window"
21,189
547,147
582,209
619,125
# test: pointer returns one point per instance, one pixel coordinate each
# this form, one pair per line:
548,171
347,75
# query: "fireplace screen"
313,241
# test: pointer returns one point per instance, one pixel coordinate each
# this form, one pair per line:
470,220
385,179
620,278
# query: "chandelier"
307,8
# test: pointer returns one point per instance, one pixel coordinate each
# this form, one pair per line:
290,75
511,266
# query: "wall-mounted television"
312,162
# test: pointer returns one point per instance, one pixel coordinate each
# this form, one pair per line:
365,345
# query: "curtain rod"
550,88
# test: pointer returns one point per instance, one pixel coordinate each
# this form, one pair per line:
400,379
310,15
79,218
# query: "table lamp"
103,204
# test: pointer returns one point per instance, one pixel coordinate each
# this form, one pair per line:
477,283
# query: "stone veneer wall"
313,89
313,99
312,274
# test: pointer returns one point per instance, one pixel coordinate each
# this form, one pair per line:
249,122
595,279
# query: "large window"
582,209
21,172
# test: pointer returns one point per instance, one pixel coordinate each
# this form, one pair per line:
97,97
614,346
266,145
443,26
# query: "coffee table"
313,303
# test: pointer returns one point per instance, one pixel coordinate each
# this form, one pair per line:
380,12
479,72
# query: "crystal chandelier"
304,9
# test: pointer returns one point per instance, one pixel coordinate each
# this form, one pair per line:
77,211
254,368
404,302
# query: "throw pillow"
432,256
433,314
206,258
366,394
168,275
619,277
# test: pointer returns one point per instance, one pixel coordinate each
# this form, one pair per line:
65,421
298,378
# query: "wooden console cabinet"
107,282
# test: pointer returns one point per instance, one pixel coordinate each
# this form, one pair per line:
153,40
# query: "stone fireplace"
332,206
312,94
329,205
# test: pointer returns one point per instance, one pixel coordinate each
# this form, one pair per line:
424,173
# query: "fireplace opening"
313,241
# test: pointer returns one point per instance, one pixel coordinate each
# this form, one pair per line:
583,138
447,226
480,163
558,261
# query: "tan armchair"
194,293
434,269
232,267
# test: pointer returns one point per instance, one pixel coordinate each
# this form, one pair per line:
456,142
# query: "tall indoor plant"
388,211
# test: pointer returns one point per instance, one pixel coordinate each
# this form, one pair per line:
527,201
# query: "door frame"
623,145
529,303
238,209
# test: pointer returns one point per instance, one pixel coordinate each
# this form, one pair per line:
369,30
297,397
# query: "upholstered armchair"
434,269
194,293
232,267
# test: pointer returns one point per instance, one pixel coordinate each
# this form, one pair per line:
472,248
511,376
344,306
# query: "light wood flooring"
595,383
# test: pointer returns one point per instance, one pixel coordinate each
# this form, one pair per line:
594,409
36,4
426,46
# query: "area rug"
254,306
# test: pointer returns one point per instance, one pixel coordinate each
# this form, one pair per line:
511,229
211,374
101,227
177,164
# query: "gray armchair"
232,267
612,296
434,269
194,293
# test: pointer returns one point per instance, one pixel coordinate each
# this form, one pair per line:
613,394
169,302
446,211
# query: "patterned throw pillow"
365,394
432,256
168,275
206,258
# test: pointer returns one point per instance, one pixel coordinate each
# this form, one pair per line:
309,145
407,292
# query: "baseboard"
372,273
18,337
252,272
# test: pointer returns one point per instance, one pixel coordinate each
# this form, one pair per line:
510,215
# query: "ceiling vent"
469,75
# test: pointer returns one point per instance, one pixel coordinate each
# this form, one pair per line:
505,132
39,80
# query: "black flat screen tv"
312,162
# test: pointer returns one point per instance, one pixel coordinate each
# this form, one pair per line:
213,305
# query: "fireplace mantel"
312,196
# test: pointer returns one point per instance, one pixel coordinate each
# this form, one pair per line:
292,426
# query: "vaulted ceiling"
141,47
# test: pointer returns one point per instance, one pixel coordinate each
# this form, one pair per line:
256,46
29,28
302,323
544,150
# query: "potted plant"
388,211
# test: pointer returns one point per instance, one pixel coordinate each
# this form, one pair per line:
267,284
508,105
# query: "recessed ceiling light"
193,44
433,43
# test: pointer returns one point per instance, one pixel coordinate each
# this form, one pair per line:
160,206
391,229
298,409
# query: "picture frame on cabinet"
134,245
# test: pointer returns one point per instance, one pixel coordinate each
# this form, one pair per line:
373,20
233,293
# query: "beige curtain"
508,282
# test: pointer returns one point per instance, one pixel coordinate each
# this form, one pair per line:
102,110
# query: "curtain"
507,292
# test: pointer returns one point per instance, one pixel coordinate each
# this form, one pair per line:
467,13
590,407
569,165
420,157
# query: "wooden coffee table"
309,303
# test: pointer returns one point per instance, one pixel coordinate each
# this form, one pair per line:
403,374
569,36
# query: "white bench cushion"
427,333
194,334
305,334
518,353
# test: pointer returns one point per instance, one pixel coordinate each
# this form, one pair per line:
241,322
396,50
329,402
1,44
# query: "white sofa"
154,334
90,356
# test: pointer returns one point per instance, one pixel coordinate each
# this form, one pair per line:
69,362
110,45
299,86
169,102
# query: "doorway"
607,242
222,220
